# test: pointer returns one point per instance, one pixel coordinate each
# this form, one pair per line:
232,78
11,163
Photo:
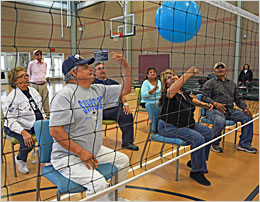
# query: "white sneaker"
22,166
111,197
33,157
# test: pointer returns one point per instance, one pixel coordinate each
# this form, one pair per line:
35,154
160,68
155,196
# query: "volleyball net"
163,35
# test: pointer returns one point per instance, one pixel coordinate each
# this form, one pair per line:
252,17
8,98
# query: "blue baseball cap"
73,61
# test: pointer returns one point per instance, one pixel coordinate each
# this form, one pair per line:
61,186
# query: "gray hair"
69,75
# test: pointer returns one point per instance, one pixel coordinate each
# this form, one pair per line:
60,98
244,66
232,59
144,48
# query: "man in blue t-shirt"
121,113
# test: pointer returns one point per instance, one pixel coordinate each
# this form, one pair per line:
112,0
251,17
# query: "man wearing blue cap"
76,124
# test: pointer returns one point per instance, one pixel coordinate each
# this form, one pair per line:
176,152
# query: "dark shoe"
217,148
189,163
130,146
251,150
200,178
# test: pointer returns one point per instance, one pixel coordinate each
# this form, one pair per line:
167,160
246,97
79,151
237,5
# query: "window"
54,64
8,60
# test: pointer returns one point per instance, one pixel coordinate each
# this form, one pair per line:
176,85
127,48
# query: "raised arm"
126,77
176,86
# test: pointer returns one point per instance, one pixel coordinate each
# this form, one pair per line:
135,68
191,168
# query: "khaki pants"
43,91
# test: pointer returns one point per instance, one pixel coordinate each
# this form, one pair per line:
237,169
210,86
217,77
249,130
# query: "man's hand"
88,158
126,108
220,107
119,58
248,113
28,139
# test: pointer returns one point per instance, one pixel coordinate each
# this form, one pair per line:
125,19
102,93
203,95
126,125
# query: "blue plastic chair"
203,119
63,184
154,113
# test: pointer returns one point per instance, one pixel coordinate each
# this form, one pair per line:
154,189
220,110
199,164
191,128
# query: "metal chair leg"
13,156
223,140
116,191
38,177
161,152
58,195
106,130
236,135
177,163
145,145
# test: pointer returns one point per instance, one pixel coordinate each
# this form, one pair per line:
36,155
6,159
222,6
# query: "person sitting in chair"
222,93
120,113
76,124
245,77
21,109
151,87
177,120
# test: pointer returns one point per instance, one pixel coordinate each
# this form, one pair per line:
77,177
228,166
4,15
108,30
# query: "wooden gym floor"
234,175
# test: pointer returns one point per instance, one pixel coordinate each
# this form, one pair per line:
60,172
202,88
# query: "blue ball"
178,21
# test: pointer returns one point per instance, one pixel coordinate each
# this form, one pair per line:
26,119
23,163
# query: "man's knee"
199,140
122,159
219,121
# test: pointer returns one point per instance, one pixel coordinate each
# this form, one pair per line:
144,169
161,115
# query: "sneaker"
33,157
247,149
22,166
200,178
111,197
130,146
216,148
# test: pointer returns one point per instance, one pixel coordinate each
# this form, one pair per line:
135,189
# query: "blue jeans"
23,150
236,115
195,137
124,121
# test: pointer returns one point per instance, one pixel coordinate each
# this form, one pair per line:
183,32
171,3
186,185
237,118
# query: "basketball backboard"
122,26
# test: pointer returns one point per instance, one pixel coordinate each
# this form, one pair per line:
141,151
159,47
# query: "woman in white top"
21,109
151,87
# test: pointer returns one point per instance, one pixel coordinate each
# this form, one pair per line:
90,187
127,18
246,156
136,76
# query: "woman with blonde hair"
21,109
177,120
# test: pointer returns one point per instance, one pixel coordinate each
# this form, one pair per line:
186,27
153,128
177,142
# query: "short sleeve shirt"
80,111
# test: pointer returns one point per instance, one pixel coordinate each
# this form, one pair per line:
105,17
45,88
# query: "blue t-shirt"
146,87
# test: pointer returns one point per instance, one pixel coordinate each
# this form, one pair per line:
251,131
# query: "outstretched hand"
194,70
119,58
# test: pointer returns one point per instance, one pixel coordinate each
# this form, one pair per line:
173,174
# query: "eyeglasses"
100,68
152,73
23,76
220,67
38,54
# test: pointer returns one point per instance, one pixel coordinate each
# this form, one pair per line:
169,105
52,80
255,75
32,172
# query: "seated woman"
21,109
177,120
245,77
151,87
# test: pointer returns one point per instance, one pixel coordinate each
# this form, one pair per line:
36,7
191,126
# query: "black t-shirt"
178,110
34,106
